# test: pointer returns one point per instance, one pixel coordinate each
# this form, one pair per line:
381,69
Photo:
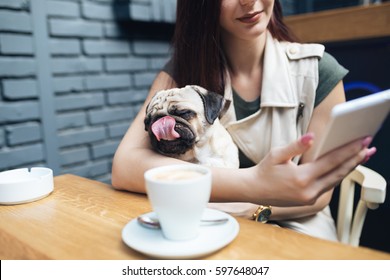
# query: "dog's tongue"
164,128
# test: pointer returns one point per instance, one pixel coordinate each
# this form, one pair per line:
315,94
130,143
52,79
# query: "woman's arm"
135,155
276,180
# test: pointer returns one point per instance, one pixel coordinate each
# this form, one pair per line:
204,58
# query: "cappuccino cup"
179,195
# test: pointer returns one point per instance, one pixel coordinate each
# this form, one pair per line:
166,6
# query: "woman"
277,91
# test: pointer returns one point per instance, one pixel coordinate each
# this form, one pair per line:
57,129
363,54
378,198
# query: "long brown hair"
198,58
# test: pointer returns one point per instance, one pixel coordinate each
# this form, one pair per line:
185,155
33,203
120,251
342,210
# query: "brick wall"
70,83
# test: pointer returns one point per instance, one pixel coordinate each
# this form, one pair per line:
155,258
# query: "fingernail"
307,138
366,141
369,154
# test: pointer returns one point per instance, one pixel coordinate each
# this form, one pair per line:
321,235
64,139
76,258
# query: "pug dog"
183,123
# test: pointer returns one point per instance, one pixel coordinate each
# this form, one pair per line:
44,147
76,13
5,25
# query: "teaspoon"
153,223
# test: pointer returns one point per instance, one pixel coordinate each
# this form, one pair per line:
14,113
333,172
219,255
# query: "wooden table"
83,219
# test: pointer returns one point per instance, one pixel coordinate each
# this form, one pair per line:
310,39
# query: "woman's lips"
250,18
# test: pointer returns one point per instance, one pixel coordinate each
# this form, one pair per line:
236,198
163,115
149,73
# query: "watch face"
264,215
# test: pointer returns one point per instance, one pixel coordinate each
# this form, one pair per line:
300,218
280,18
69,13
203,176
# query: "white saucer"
152,242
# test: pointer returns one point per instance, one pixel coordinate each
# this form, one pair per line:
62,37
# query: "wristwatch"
262,214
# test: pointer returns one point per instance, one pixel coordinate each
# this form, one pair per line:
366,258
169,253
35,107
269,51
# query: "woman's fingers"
345,157
334,177
296,148
306,182
335,166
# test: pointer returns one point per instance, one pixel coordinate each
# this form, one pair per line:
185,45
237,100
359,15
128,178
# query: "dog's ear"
212,103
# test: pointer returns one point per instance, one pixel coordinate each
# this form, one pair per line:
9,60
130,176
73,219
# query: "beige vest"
290,79
289,84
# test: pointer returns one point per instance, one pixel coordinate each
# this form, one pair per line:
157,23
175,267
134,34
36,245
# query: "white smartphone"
352,120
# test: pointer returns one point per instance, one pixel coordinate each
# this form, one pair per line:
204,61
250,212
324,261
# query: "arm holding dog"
275,180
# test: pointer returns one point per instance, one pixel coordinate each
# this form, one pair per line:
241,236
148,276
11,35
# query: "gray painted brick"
74,155
81,136
15,21
20,88
2,137
79,28
16,44
109,115
90,170
144,79
76,65
119,97
111,1
139,95
125,64
94,71
158,63
127,96
140,12
105,178
21,155
169,10
104,150
61,8
137,107
79,101
144,2
106,47
97,11
151,47
65,46
121,9
66,84
71,120
156,10
19,111
112,30
16,66
16,4
23,133
107,81
118,130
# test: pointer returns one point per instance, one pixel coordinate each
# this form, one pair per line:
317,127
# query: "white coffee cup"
179,195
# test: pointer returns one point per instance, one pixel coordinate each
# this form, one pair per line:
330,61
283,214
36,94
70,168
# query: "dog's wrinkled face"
177,118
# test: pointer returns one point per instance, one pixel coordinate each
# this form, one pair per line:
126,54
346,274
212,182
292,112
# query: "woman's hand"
303,184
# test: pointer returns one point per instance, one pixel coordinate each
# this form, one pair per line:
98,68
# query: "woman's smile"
250,18
245,20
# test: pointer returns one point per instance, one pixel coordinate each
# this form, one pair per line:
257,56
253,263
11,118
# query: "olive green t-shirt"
330,73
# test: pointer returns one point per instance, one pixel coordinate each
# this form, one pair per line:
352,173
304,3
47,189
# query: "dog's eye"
185,114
